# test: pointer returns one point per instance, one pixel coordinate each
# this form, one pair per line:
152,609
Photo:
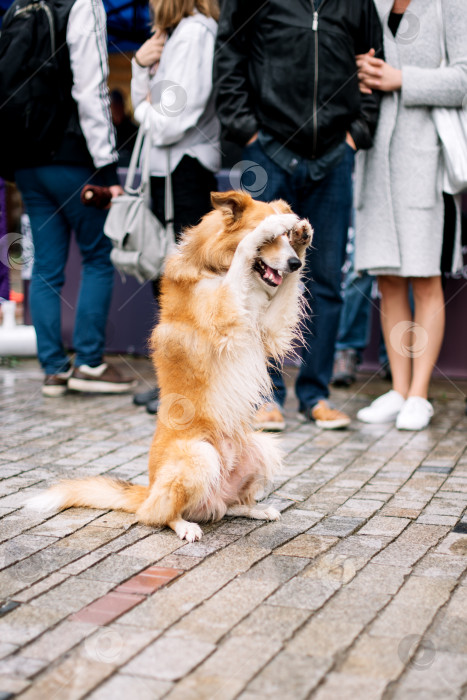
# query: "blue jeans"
355,321
327,205
51,195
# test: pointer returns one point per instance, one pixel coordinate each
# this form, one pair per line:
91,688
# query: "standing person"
287,90
125,128
171,86
51,186
399,198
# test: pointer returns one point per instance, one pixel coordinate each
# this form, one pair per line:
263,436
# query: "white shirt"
181,112
86,38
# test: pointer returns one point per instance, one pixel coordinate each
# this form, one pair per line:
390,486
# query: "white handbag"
140,241
451,125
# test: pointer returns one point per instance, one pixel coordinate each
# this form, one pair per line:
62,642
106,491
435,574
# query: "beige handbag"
140,242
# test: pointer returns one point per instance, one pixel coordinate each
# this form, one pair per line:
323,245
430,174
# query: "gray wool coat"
398,188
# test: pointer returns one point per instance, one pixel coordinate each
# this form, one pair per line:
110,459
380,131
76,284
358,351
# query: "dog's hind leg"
256,512
259,461
183,486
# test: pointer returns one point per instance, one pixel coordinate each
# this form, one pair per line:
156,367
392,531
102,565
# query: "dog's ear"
281,206
232,203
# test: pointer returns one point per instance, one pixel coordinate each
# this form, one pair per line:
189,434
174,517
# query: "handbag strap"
439,10
169,200
142,154
135,157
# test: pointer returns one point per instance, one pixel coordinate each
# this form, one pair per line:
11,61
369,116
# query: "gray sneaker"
345,367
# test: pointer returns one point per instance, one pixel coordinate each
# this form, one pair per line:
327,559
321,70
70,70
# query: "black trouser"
192,184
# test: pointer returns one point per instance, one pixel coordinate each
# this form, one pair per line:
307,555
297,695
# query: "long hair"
167,14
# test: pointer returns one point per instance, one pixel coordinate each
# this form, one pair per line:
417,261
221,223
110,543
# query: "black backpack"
33,98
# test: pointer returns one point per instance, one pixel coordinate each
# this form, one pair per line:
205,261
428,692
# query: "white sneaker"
415,414
382,410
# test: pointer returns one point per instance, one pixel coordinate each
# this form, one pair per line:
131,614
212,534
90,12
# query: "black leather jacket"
290,70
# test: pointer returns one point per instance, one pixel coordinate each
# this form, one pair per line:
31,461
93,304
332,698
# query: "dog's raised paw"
277,224
269,229
301,234
191,532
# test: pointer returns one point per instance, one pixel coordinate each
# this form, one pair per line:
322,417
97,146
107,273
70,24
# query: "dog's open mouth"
268,274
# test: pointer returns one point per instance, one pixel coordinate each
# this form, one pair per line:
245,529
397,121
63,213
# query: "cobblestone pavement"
359,591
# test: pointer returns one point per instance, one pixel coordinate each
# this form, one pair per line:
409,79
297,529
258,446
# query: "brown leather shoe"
268,417
326,417
104,379
55,384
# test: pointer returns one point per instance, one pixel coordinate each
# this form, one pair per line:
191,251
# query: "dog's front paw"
300,235
276,225
272,513
191,532
268,230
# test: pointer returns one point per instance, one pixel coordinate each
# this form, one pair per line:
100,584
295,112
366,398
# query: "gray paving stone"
272,621
275,569
114,568
26,622
389,526
122,687
71,595
337,525
308,594
348,687
169,658
73,678
20,666
289,676
226,672
57,641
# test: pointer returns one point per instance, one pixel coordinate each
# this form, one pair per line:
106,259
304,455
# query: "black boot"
144,397
152,406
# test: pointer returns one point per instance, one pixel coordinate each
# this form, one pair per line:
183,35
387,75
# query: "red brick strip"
148,581
125,596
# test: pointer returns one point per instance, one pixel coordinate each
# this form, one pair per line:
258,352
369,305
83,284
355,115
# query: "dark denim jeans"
327,205
52,198
355,322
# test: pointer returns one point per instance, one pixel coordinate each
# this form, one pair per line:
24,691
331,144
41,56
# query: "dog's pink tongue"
271,273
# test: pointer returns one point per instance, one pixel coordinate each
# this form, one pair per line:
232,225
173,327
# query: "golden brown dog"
230,300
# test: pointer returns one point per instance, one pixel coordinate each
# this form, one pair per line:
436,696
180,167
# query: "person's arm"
179,101
447,86
144,64
234,102
370,36
87,44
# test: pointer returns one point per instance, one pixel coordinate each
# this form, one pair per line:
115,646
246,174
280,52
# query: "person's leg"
51,238
354,323
428,331
395,309
97,270
266,181
327,204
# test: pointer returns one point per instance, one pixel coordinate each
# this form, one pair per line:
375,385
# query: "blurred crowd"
332,103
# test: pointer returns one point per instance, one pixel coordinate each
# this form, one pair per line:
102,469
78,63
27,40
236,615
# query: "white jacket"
86,38
181,112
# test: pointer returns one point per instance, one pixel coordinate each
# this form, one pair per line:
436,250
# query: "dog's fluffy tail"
95,492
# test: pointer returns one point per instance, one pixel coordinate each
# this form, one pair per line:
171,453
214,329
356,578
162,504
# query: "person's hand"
376,74
116,191
150,52
350,141
253,139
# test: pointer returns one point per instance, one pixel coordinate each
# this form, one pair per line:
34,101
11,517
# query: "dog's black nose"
294,264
